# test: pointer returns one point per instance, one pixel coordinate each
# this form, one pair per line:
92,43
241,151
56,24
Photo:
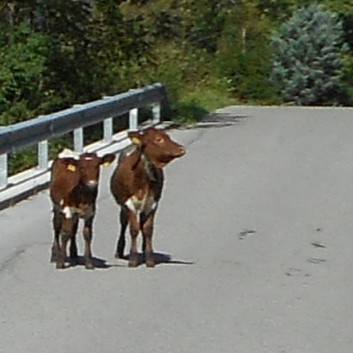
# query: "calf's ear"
107,159
136,137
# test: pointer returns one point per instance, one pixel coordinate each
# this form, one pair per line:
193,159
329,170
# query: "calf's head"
89,167
157,146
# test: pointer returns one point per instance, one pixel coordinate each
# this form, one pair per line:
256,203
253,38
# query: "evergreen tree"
308,57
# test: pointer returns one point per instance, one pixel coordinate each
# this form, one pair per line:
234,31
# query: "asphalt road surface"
254,243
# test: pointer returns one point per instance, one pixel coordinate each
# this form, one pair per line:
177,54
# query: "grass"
196,102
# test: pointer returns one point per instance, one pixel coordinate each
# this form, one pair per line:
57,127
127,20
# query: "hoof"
150,260
60,265
74,261
133,260
133,263
119,255
73,254
89,263
150,264
89,266
54,255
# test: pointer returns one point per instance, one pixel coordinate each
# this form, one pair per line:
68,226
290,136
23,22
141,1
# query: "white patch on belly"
130,204
146,205
67,211
86,212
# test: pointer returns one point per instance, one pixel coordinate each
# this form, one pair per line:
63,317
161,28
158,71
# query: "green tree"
23,69
308,57
71,50
243,55
123,44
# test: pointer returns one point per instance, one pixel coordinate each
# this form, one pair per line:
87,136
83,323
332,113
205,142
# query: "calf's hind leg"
121,241
87,234
73,244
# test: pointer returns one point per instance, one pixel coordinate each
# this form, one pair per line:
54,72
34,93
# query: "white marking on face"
88,158
67,153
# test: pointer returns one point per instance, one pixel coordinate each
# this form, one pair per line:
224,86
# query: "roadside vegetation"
209,53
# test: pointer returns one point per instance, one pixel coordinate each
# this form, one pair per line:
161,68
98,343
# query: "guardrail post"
43,155
3,171
108,130
78,140
166,111
156,111
75,119
133,124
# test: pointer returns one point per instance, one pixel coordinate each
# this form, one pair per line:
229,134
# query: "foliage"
243,56
59,53
209,53
124,45
23,67
71,58
308,57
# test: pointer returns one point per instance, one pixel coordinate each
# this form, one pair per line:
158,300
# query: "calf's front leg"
65,235
134,231
147,232
57,224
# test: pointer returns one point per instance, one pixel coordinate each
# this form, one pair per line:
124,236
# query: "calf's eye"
159,139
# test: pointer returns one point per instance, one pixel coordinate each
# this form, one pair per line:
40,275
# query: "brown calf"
73,192
136,185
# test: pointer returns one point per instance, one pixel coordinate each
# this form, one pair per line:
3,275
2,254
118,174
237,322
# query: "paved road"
254,236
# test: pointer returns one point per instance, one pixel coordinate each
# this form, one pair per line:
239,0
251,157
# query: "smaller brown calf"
73,191
137,184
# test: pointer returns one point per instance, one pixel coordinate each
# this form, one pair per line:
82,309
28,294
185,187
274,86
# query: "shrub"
308,58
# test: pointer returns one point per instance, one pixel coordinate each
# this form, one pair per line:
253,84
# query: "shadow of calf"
80,261
160,258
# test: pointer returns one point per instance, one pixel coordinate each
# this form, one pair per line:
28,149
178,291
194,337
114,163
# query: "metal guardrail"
40,130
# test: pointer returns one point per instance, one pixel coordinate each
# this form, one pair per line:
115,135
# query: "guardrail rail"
39,130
